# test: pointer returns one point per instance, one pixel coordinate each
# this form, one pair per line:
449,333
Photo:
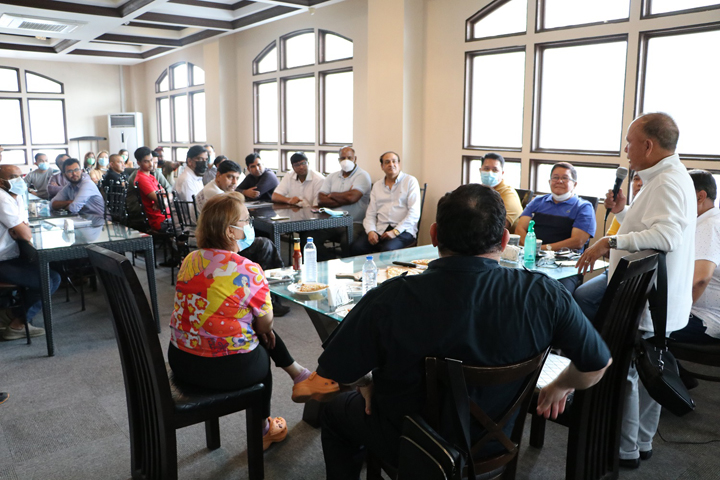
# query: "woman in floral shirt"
221,328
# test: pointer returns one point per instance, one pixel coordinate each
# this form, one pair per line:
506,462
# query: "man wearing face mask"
562,219
58,180
40,177
492,173
80,195
190,181
13,227
349,190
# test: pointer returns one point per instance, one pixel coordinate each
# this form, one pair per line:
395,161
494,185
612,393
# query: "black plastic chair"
503,464
187,214
423,191
708,355
157,405
526,196
116,203
595,415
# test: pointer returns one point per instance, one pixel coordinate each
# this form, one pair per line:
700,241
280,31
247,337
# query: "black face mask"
200,167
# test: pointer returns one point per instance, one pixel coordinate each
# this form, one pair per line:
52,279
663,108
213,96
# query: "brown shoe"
316,388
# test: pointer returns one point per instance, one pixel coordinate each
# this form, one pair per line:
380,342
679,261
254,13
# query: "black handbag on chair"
656,366
426,454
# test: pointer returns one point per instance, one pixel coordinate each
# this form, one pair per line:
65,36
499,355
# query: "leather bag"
655,365
426,454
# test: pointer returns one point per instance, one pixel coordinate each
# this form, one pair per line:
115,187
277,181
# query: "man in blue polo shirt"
562,219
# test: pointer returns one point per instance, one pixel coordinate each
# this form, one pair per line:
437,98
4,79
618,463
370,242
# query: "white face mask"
563,197
347,165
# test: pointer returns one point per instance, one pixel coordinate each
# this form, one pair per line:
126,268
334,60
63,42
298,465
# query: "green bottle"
530,246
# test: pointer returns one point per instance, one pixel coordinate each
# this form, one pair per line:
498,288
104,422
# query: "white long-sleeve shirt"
397,206
663,217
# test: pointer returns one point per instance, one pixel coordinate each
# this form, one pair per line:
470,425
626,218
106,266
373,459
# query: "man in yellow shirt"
492,172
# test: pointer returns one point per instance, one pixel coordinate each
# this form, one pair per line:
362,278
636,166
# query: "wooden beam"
132,6
64,45
26,48
136,39
196,37
155,51
66,7
188,21
155,25
100,53
260,16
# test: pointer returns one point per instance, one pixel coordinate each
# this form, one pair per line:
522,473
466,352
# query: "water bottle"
310,263
530,246
369,275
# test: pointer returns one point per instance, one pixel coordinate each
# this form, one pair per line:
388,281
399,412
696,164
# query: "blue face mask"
43,166
490,178
18,186
103,161
249,232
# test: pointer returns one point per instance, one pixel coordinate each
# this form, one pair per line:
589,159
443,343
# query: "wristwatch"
612,242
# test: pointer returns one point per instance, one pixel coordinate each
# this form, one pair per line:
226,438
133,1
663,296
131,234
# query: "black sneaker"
645,455
630,463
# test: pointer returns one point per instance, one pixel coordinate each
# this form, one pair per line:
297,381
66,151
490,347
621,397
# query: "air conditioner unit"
125,131
38,24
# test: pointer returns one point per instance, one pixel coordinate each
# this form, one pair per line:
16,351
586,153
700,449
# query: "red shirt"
148,184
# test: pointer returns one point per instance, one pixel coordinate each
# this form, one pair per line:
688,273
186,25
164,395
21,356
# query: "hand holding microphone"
615,195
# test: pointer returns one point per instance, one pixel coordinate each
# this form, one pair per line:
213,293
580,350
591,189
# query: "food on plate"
422,262
311,287
397,271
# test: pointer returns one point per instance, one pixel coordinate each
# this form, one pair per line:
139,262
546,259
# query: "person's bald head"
8,172
661,128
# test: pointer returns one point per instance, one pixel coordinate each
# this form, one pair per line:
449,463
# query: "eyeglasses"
300,164
565,179
74,170
248,220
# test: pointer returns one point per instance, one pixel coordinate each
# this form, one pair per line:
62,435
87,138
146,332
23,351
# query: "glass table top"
285,213
328,272
87,229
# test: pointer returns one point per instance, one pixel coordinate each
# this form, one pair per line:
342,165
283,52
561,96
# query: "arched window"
33,116
559,80
180,103
303,98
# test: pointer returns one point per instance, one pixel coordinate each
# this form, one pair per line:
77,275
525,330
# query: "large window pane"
164,112
270,158
9,80
337,47
592,181
199,129
198,75
47,122
562,13
300,110
181,118
181,154
665,6
37,84
591,91
11,131
14,157
269,62
339,108
180,76
164,84
505,20
496,110
331,162
51,153
267,115
693,100
512,173
300,50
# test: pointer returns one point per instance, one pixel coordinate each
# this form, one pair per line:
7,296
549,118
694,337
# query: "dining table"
65,238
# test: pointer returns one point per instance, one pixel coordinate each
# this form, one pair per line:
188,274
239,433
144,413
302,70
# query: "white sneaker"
12,334
5,320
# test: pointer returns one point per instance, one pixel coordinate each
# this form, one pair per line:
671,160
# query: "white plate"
295,288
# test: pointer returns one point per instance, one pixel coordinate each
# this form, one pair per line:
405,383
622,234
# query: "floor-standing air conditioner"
125,131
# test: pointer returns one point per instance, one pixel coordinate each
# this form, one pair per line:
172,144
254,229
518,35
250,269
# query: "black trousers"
231,372
347,432
264,253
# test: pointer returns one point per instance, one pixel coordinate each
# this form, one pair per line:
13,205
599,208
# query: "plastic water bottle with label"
369,275
530,246
310,264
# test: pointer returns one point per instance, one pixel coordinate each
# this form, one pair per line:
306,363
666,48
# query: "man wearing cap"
190,181
300,187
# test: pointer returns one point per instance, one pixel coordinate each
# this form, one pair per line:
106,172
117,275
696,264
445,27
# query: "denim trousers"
19,272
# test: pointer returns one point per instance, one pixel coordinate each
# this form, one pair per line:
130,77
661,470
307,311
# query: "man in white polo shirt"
14,227
393,212
301,186
226,179
190,181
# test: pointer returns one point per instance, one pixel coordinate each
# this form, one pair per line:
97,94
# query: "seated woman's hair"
218,213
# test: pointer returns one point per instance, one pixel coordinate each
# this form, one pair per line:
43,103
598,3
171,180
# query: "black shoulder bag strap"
658,303
462,420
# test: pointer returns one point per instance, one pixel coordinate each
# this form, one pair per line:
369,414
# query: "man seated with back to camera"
80,195
393,212
491,316
260,182
562,219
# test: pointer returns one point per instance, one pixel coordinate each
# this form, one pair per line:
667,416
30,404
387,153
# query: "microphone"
620,175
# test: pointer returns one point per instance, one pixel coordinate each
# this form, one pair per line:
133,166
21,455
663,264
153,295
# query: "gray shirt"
358,180
40,179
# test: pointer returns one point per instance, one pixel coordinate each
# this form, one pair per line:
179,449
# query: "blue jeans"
20,273
362,246
589,295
